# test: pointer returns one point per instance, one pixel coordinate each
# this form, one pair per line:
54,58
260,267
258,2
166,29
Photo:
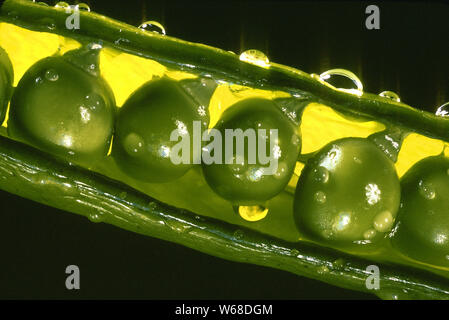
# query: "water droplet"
344,73
254,174
62,4
51,75
322,270
321,174
383,221
153,26
369,234
372,193
339,263
95,217
252,213
133,144
94,101
390,95
38,80
238,234
164,151
357,160
83,7
426,190
42,3
320,196
255,57
294,252
342,221
443,110
123,195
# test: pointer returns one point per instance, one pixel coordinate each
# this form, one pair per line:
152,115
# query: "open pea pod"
355,182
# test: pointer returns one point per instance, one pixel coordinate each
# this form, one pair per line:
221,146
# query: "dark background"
408,55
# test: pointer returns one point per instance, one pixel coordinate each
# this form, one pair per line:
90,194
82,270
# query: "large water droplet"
51,75
390,95
252,213
83,7
133,144
255,57
426,190
153,26
383,221
62,4
327,75
443,110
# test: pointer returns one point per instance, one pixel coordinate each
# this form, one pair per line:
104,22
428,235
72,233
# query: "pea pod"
209,224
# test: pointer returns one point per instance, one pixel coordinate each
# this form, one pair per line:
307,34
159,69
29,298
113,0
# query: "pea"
142,146
347,192
249,182
6,80
422,227
63,108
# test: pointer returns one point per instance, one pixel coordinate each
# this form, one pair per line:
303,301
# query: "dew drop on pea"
426,190
255,57
320,197
383,221
369,234
255,174
321,174
251,213
51,75
153,26
134,144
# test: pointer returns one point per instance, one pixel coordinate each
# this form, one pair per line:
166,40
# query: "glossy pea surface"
422,228
142,146
251,182
63,109
6,80
347,192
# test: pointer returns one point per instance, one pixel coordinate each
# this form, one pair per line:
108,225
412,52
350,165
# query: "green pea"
251,181
6,81
142,147
347,192
422,228
63,108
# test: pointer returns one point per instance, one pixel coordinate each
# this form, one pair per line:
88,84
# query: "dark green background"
409,55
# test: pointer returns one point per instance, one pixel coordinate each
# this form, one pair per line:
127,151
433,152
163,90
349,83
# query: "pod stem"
389,141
